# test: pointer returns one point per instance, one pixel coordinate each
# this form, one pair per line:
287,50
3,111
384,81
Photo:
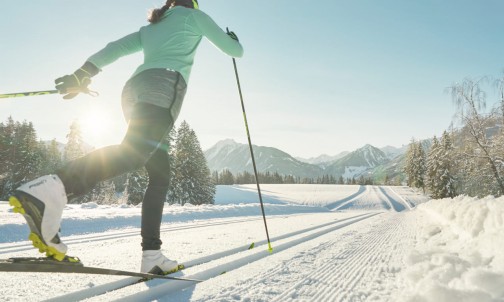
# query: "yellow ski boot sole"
18,207
34,237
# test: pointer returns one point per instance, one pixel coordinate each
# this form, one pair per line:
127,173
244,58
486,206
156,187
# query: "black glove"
232,35
78,82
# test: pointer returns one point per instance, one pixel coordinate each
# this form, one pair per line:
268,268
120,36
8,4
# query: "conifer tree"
7,156
215,177
432,181
415,166
226,178
75,145
192,176
420,167
136,185
105,193
52,157
21,155
447,169
409,166
28,160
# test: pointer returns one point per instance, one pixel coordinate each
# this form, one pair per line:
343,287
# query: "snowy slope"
330,243
235,157
357,162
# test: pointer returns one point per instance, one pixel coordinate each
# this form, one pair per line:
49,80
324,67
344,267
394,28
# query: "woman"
151,102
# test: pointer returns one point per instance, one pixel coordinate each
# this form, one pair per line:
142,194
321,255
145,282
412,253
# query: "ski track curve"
408,203
360,264
339,203
397,205
411,196
375,198
371,199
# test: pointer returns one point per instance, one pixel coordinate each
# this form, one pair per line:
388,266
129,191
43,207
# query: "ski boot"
41,202
154,262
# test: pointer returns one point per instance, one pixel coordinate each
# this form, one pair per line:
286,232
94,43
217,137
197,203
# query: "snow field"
459,254
388,244
311,195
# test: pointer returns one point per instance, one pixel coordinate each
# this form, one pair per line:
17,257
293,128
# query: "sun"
94,127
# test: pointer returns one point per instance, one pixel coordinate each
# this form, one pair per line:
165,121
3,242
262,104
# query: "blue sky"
317,77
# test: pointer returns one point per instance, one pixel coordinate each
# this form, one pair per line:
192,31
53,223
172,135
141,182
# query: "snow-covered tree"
75,145
136,185
103,193
52,157
481,151
193,182
28,159
415,165
440,176
447,171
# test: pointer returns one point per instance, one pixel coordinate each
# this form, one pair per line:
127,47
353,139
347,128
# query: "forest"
25,157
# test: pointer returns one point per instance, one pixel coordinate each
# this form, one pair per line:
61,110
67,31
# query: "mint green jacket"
171,43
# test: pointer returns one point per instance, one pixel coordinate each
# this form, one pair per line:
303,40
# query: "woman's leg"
148,126
158,168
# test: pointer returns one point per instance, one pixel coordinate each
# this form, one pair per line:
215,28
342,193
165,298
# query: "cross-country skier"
151,101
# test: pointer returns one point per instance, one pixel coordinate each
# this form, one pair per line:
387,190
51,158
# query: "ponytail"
157,13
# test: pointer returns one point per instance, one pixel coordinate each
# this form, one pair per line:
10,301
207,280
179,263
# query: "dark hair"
157,13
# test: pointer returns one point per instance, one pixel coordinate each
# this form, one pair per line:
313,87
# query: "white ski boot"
41,202
154,262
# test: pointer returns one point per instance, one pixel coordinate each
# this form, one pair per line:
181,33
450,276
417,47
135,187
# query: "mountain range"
366,161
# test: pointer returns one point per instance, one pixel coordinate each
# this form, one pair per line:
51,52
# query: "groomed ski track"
213,265
373,198
344,260
362,244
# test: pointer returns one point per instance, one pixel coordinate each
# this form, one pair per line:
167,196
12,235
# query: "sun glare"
94,126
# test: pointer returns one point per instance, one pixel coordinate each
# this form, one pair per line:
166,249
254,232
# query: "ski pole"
31,93
252,155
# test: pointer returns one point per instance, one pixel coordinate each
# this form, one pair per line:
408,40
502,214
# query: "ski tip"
251,246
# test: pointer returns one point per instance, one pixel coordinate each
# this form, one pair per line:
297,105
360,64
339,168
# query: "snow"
330,243
352,171
459,251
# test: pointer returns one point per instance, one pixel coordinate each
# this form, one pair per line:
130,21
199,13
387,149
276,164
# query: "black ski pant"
151,103
142,146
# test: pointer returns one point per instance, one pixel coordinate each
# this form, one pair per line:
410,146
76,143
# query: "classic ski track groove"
351,200
408,203
354,261
396,205
335,205
165,289
123,283
359,260
384,196
95,238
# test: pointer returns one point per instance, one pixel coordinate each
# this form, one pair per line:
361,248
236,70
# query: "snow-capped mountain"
393,152
235,157
323,159
357,162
